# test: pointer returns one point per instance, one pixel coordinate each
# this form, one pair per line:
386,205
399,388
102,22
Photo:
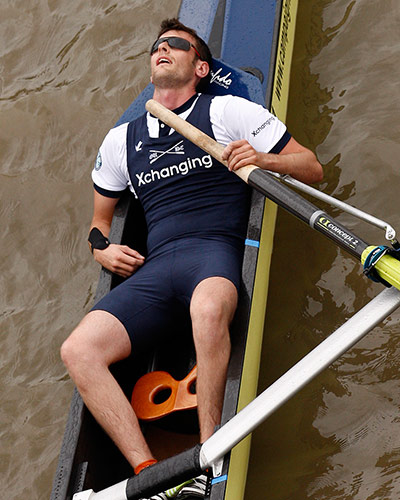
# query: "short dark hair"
201,46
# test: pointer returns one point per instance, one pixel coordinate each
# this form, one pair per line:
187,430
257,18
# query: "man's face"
172,67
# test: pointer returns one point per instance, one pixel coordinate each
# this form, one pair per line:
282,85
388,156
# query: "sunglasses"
175,42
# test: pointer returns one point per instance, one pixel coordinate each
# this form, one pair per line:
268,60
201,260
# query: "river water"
68,70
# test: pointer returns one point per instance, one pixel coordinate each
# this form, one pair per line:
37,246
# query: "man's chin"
168,81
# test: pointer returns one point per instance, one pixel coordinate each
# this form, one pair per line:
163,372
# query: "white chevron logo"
177,149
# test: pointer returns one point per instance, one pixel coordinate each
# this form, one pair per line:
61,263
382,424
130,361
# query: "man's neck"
172,98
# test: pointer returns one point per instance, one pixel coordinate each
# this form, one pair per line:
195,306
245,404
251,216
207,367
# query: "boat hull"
247,35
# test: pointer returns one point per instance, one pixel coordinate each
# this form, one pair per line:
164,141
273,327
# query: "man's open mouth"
163,60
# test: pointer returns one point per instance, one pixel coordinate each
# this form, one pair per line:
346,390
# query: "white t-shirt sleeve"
235,118
110,172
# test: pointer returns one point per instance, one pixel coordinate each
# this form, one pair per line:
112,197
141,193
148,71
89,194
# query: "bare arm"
294,159
119,259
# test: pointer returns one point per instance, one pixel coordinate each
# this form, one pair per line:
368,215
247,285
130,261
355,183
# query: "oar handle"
195,135
151,480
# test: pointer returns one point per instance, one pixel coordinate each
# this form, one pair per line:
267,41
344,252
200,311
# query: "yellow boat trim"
248,388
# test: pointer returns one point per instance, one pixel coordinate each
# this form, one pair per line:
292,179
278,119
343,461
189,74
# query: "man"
196,219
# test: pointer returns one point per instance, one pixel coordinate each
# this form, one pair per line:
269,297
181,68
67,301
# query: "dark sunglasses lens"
179,43
174,42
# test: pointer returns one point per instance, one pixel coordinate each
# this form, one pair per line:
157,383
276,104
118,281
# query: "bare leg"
98,341
212,308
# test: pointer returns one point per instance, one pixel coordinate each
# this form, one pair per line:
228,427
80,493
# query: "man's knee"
210,323
213,302
99,340
208,312
76,354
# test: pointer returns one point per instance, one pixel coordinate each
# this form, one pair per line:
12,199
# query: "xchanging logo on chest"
182,168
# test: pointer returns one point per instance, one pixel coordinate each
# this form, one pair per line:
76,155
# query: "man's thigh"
144,304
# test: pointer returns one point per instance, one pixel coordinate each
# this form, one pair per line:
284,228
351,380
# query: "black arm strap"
97,240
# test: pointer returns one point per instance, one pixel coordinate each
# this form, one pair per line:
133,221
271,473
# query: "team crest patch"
98,163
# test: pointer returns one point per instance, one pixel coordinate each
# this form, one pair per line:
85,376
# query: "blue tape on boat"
252,243
219,479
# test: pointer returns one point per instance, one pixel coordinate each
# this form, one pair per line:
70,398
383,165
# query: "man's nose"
164,46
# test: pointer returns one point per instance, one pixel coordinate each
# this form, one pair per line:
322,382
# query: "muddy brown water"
68,71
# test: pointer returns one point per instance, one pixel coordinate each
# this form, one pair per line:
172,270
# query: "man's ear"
202,68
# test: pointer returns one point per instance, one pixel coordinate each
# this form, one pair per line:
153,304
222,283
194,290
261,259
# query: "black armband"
97,240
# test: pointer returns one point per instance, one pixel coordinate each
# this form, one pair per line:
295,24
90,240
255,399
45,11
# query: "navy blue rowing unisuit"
196,213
